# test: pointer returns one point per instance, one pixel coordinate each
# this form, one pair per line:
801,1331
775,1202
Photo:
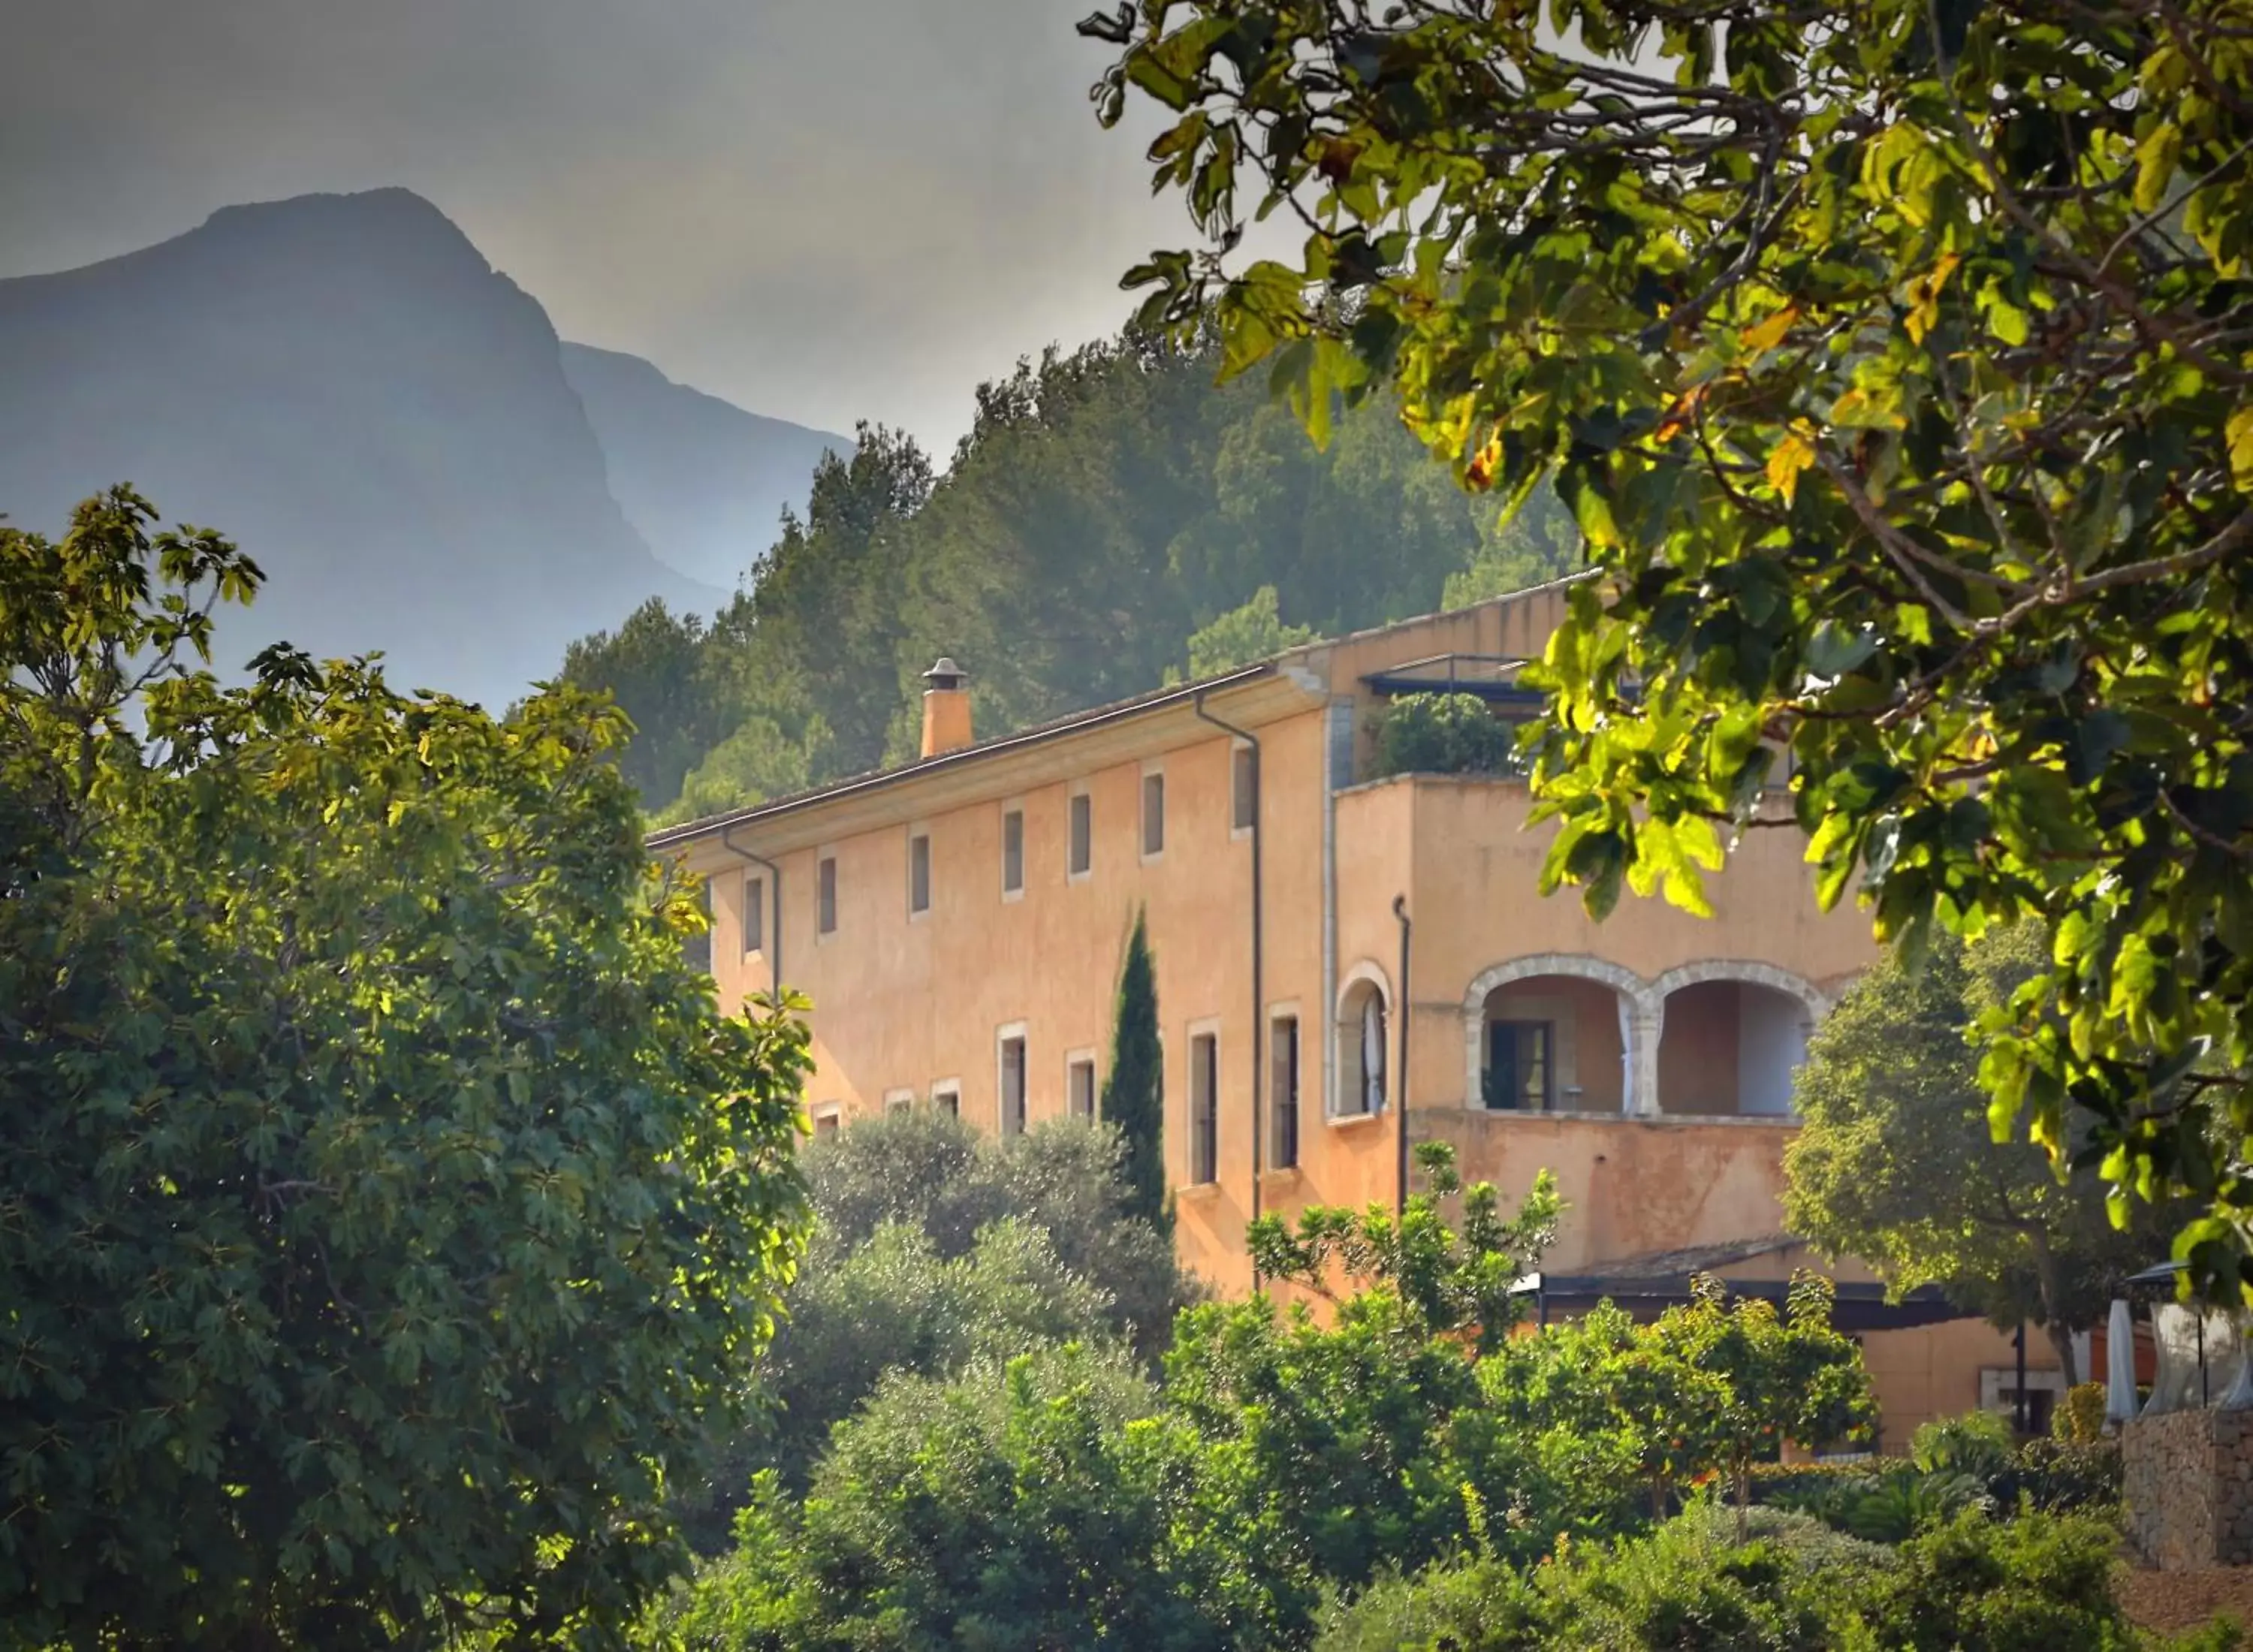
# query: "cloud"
821,209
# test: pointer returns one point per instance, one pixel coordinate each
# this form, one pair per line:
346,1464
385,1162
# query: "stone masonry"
2189,1485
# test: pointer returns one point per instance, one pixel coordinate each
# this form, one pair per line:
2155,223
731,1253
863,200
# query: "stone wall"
2189,1485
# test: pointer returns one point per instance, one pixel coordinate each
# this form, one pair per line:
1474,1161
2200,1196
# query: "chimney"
945,709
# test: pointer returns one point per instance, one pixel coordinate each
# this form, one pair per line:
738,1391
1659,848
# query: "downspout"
1259,1032
1332,780
774,952
1400,1078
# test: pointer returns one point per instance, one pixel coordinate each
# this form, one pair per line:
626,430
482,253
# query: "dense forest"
1114,516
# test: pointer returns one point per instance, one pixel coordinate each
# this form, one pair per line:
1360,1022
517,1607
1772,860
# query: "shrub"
930,1171
896,1304
1813,1542
1013,1510
934,1245
1445,734
1484,1605
2079,1419
1978,1443
2040,1583
2060,1478
1690,1583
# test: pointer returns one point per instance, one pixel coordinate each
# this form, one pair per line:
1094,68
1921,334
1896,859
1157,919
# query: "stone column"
1644,1018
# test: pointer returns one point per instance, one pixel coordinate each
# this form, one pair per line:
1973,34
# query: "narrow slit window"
755,912
826,895
1244,773
1081,1086
1154,814
1283,1084
1083,834
1204,1108
947,1099
1013,1086
919,874
1013,852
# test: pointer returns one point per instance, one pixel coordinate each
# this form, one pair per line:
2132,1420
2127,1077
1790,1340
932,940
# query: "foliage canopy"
1893,359
935,1248
1894,1162
386,1210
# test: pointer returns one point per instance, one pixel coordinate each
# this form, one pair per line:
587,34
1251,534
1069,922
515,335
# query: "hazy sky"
824,210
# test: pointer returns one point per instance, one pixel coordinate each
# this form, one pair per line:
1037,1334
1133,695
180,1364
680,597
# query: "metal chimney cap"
945,674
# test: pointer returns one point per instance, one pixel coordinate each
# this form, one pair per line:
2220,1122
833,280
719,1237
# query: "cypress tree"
1134,1095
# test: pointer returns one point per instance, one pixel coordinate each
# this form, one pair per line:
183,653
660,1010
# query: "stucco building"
1330,944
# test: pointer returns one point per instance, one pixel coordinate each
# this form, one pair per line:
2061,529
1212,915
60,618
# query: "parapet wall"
2189,1484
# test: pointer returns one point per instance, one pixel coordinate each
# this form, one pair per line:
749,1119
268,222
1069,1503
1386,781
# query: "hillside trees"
1109,503
653,666
1892,359
1895,1162
387,1212
1254,631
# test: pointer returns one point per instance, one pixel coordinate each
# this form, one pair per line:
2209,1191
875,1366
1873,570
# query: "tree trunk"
2052,1317
2061,1338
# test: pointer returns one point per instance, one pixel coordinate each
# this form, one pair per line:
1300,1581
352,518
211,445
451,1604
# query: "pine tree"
1134,1095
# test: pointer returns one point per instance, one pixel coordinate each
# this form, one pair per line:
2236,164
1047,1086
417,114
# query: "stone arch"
1814,1004
1634,991
1727,969
1369,970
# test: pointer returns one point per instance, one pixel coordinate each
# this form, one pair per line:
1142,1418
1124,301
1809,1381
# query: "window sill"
1352,1120
1010,898
1289,1176
1197,1192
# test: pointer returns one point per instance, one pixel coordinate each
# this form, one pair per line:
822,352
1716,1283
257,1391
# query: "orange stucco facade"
1646,1060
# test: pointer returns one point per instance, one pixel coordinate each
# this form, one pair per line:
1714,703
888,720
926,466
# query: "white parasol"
2119,1364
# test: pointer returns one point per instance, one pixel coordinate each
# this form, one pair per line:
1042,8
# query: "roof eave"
1122,711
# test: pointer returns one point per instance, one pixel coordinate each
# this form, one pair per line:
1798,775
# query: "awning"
2159,1274
1859,1306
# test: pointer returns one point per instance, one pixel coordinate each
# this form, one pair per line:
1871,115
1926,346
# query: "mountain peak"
343,385
392,203
393,231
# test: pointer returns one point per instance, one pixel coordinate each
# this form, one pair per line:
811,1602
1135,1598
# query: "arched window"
1364,1046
